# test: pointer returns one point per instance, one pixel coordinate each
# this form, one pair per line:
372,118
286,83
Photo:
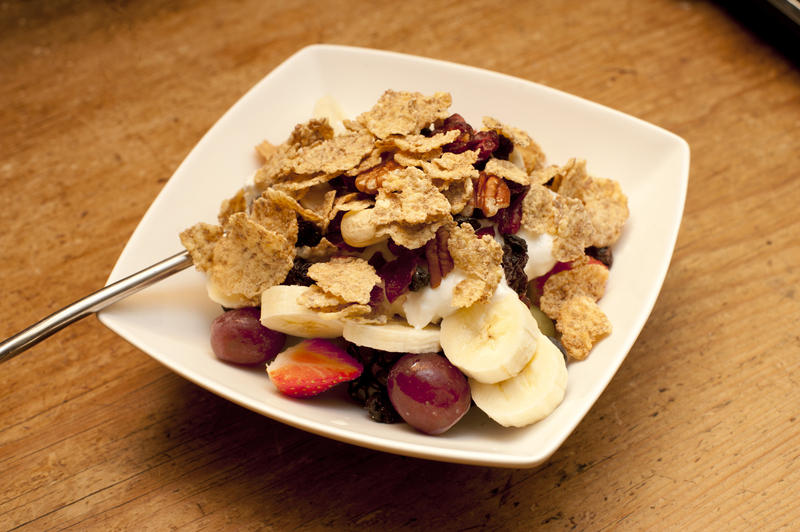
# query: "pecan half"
370,180
440,263
491,194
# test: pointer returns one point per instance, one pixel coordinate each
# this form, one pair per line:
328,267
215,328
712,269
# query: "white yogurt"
540,253
428,304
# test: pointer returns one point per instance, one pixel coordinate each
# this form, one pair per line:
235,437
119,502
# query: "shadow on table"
232,463
776,26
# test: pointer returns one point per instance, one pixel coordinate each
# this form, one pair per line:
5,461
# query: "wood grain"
102,100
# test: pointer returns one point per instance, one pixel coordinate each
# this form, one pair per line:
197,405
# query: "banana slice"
395,336
281,312
530,396
226,300
492,341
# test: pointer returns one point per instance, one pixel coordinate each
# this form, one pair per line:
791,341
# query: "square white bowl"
170,321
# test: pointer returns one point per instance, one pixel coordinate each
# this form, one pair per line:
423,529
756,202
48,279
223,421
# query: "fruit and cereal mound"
426,263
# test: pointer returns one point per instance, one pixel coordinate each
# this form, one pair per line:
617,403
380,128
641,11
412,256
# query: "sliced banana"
226,300
395,336
492,341
530,396
281,312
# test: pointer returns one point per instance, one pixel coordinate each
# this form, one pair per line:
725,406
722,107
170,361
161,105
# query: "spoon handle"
92,303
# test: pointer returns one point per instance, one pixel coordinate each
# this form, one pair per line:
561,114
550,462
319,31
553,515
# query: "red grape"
237,336
428,392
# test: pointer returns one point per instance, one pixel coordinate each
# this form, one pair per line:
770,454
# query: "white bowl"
170,321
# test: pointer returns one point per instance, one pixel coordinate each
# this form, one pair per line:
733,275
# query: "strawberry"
311,367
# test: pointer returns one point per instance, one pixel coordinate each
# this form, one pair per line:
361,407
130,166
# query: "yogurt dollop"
540,253
431,304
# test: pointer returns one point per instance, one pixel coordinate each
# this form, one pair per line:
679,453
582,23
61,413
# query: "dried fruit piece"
397,275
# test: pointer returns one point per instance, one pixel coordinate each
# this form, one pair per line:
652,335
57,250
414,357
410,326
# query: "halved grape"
428,392
237,336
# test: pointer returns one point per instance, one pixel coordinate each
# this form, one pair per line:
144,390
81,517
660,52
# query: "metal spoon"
92,303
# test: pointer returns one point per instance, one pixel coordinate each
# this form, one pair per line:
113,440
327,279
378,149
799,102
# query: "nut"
440,263
491,194
370,180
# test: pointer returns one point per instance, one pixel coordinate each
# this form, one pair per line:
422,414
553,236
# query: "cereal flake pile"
439,194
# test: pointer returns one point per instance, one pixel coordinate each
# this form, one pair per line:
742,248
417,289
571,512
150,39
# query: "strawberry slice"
311,367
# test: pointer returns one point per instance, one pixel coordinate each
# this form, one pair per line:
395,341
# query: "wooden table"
699,429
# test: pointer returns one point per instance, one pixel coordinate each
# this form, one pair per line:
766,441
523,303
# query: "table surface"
102,100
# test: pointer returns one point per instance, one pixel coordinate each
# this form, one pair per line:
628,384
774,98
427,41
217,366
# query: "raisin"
603,254
298,275
509,219
420,279
515,256
308,234
343,184
461,219
380,408
369,390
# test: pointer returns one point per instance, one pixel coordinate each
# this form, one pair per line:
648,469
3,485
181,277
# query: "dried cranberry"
504,148
485,142
376,260
376,296
509,219
488,230
397,274
334,234
455,121
460,144
397,249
